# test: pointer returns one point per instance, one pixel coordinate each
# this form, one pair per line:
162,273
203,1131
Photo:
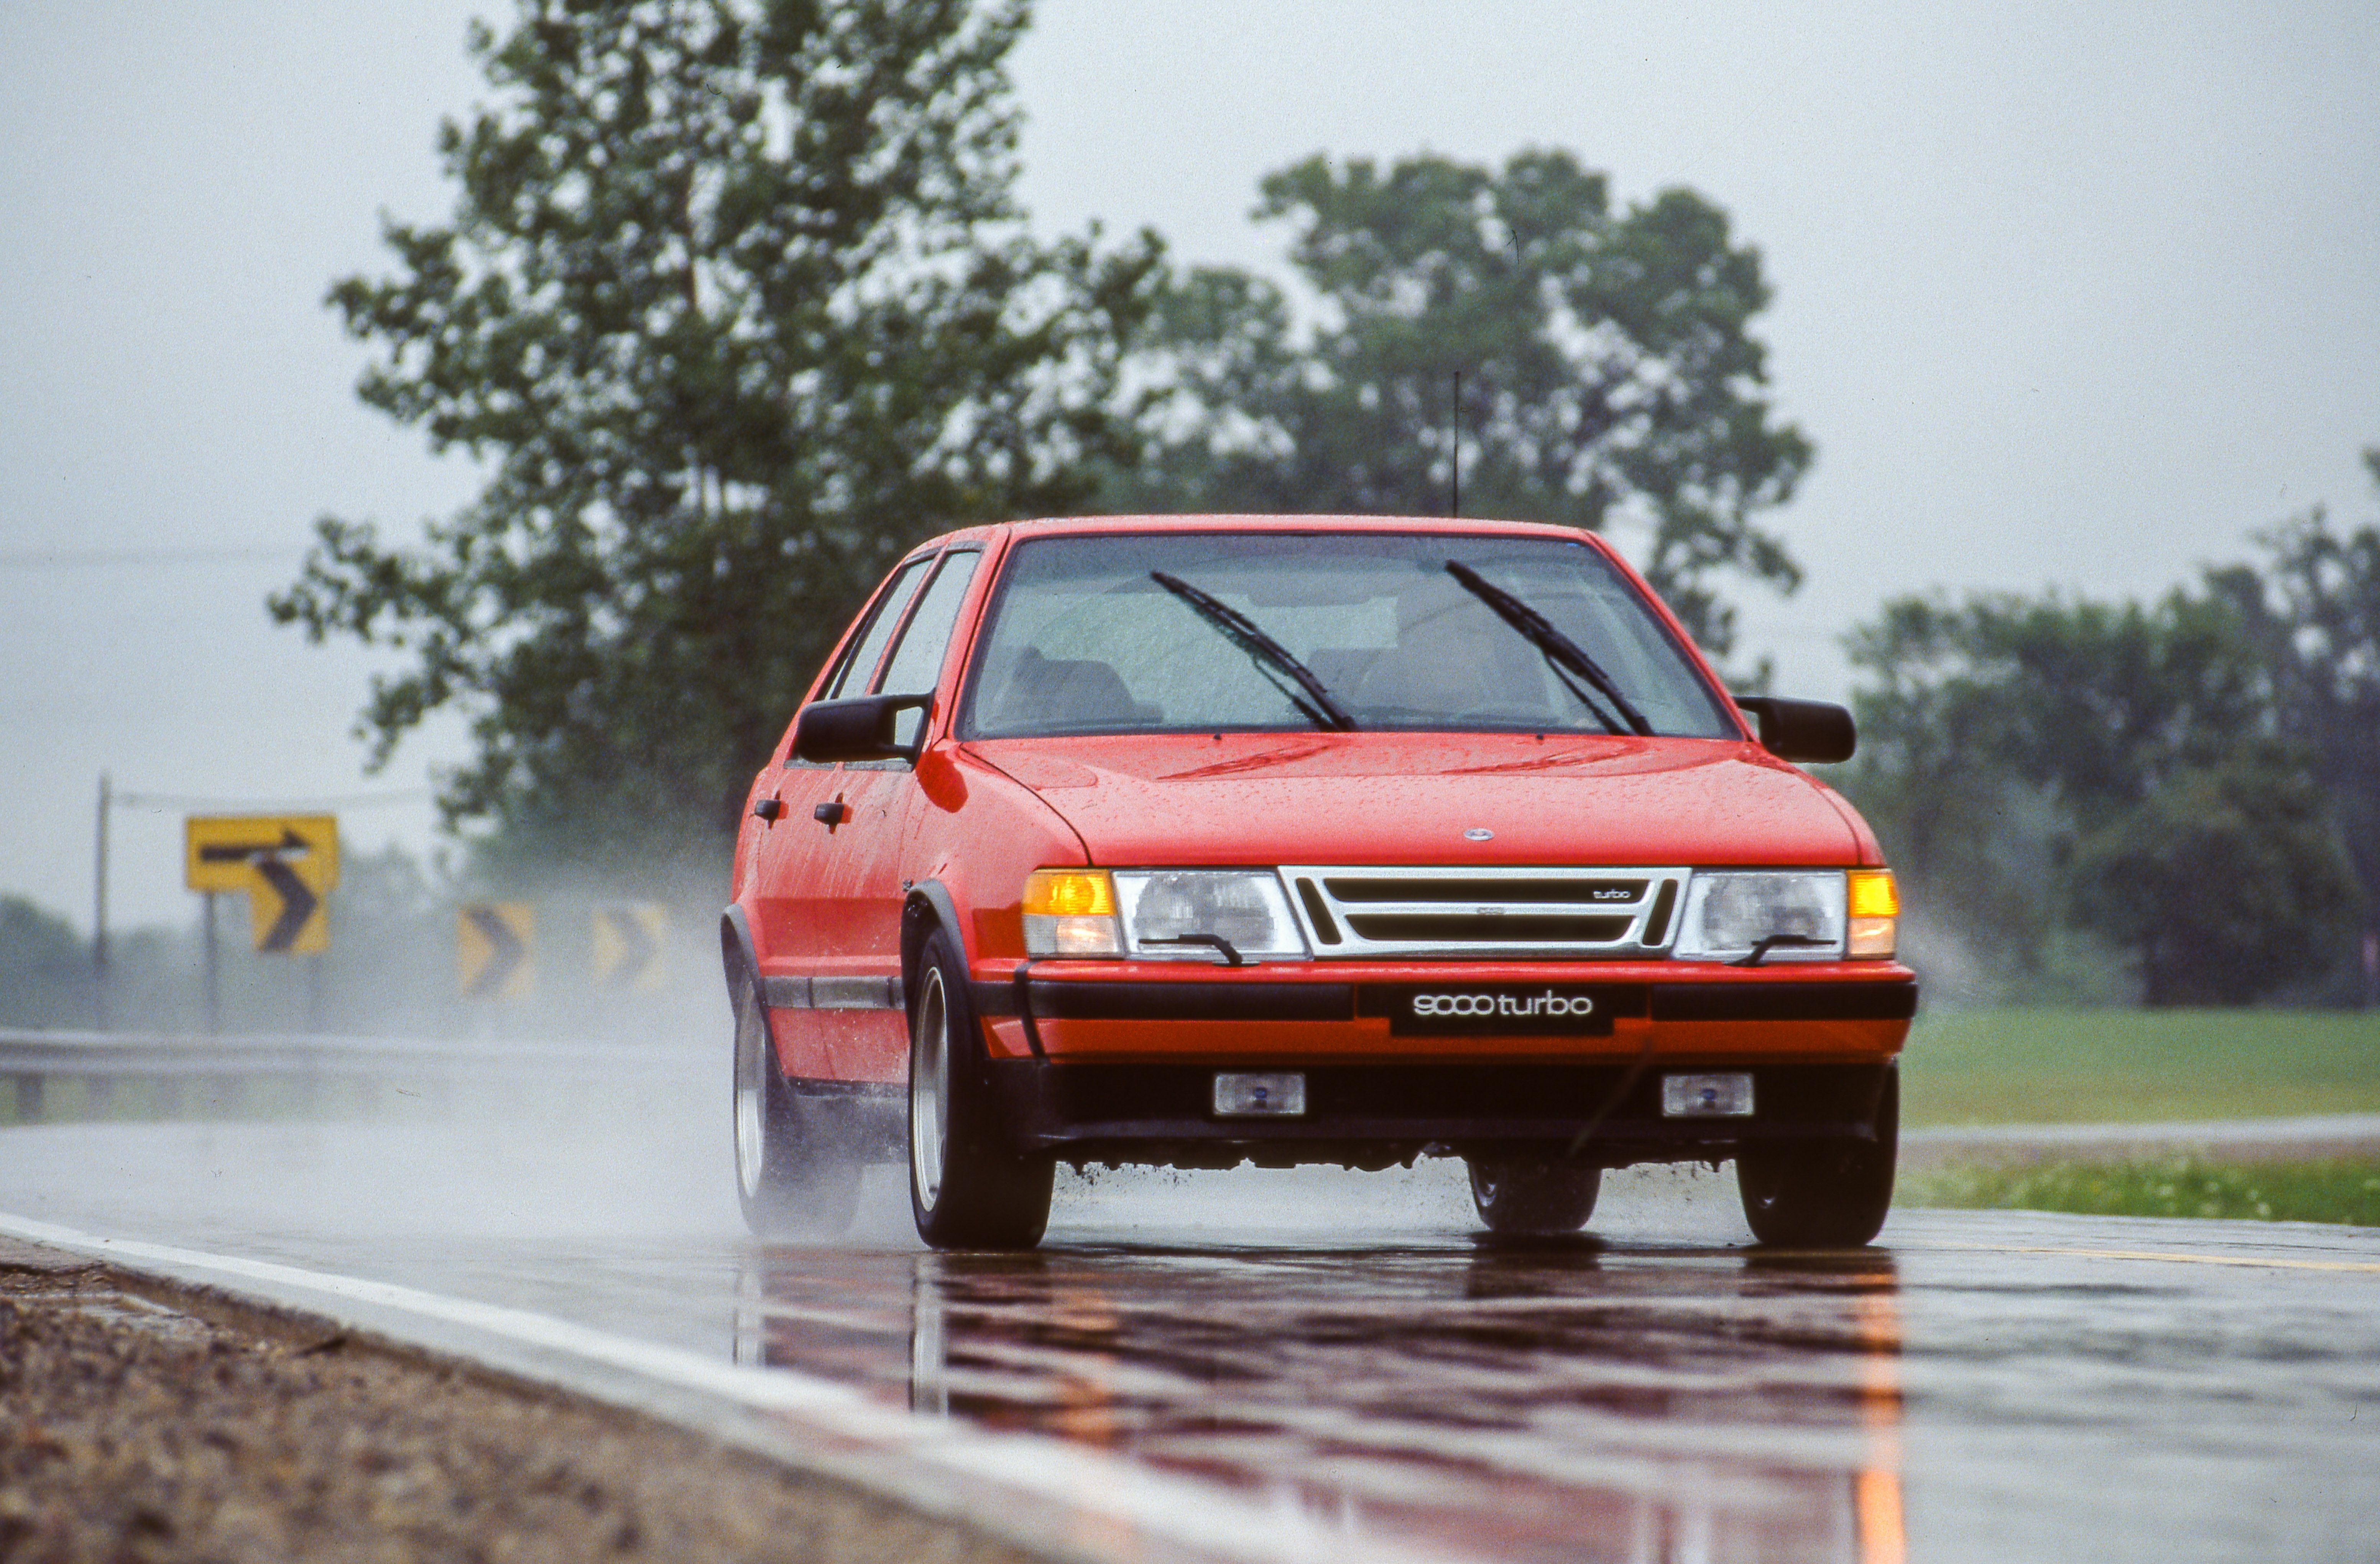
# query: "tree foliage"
45,973
1608,370
2155,773
735,305
2313,615
2226,882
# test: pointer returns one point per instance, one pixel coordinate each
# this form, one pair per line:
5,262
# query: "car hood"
1393,798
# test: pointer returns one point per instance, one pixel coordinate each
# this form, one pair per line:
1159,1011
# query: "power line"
73,559
251,806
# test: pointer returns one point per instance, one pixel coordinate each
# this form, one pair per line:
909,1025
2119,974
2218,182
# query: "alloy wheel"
930,1072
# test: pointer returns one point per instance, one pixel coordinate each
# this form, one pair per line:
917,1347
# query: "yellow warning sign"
285,865
631,942
495,951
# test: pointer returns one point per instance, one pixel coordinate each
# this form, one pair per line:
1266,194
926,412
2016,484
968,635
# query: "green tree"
2314,614
2001,733
737,304
2223,883
1972,836
45,973
1608,370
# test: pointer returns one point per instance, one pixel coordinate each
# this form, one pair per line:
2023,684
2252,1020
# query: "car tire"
968,1187
1520,1197
1826,1194
793,1177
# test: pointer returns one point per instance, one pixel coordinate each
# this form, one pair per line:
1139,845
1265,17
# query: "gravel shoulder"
140,1421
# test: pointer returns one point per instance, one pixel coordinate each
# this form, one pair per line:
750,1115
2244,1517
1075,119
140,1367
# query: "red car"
1194,840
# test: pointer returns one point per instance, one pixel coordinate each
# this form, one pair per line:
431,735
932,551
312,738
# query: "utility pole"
1454,446
99,913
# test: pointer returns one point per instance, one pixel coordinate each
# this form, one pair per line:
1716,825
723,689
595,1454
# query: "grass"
2337,1190
135,1099
2050,1066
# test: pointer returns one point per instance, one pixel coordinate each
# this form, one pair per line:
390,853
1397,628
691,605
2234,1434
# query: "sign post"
215,963
99,911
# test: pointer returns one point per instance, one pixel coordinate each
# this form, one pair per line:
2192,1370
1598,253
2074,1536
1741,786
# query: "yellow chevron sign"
495,951
285,865
631,946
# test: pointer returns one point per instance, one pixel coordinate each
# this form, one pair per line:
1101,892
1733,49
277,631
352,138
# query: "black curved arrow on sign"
298,899
636,947
297,902
504,952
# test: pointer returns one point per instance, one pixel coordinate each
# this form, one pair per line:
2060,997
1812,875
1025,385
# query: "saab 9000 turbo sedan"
1203,841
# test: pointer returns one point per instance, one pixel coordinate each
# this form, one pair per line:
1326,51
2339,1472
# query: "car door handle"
832,815
768,809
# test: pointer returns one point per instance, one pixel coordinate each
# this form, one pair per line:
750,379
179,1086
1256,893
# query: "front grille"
1476,912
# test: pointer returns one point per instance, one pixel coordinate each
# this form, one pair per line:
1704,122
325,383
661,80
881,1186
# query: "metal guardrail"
32,1060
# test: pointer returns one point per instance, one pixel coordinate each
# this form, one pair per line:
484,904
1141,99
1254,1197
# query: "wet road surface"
1347,1348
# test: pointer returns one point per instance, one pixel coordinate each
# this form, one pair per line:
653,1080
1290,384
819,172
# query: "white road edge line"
1042,1494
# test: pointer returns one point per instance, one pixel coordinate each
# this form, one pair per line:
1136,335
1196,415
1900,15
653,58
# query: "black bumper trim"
1854,1000
1171,1001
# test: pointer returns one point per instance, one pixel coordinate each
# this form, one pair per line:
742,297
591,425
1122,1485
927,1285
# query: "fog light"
1706,1097
1241,1095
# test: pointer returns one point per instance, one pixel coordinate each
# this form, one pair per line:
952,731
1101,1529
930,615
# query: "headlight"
1197,913
1800,913
1071,912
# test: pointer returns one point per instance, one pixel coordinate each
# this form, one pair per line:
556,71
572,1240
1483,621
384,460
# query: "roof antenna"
1454,443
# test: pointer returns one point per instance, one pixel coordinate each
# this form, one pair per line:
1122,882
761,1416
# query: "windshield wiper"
1242,631
1558,649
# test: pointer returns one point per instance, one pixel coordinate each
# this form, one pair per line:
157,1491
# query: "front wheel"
1531,1197
1826,1194
793,1178
968,1188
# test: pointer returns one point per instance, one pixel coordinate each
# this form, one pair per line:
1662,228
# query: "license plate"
1706,1097
1506,1010
1248,1095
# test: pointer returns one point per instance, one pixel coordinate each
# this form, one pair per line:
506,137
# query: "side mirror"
1812,732
858,729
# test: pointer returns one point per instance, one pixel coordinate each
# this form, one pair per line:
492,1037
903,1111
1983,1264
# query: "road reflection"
1571,1400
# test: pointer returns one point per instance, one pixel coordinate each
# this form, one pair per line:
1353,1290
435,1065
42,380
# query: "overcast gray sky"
2067,295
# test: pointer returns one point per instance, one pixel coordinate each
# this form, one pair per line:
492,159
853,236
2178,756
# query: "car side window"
852,678
917,659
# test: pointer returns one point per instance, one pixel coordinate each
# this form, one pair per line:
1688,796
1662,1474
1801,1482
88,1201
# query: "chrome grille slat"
1531,890
1534,912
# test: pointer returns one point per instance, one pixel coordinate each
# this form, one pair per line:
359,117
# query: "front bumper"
1116,1064
1294,1014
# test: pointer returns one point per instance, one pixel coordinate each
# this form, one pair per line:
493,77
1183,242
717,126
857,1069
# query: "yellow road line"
2372,1266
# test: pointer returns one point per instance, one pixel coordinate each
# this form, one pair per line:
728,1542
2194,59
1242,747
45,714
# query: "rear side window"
883,619
918,658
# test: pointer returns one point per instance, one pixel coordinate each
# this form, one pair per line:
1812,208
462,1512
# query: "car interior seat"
1046,692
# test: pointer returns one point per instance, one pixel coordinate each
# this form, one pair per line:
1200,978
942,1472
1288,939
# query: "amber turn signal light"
1069,893
1071,912
1874,914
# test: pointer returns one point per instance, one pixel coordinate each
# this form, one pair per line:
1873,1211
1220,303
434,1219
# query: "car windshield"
1214,631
